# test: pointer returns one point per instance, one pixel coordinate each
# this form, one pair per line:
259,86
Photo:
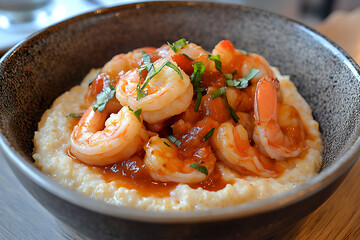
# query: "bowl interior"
50,63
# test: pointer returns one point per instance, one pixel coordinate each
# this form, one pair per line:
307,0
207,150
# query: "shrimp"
233,60
168,93
279,131
197,53
164,164
123,135
122,63
232,147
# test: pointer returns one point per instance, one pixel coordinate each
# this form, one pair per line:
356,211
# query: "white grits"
51,156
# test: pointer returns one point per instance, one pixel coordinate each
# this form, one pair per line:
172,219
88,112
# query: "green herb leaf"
218,92
152,73
74,115
174,140
179,44
242,83
130,108
232,111
218,64
195,78
187,56
167,144
200,168
209,134
137,114
103,97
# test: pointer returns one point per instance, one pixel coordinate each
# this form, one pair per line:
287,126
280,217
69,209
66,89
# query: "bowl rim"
310,187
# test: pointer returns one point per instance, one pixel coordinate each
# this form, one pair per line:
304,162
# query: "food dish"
165,148
40,69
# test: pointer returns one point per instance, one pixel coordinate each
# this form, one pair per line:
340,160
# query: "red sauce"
214,182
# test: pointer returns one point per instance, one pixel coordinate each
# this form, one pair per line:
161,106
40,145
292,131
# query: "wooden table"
22,217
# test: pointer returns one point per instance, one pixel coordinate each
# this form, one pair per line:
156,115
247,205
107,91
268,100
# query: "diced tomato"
184,63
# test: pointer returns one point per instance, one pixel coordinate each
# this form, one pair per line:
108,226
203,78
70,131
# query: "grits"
51,156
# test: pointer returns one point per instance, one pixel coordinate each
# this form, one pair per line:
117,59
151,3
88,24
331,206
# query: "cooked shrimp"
232,147
234,60
279,130
122,63
122,136
167,93
164,164
193,51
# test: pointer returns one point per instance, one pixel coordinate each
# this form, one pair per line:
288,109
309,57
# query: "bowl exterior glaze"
40,69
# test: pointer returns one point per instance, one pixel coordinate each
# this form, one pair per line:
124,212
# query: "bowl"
41,68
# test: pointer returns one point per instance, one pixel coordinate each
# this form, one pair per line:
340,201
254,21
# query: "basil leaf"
200,168
74,115
174,140
232,111
137,114
140,93
195,78
103,97
209,134
199,92
218,64
242,83
151,74
187,56
167,144
218,92
179,44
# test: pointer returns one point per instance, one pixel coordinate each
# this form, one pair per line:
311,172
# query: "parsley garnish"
179,44
209,134
174,140
200,168
74,115
218,92
167,144
243,82
195,78
103,97
218,66
187,56
222,92
151,73
136,113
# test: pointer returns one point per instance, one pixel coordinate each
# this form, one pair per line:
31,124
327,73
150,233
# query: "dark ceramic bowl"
41,68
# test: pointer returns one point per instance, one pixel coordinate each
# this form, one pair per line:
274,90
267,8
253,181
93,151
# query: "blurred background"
21,18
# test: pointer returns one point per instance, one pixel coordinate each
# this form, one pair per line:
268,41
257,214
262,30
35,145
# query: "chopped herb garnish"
74,115
187,56
137,114
91,82
179,44
218,64
103,97
209,134
151,73
244,52
218,92
232,111
222,92
200,168
195,78
242,82
174,140
167,144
